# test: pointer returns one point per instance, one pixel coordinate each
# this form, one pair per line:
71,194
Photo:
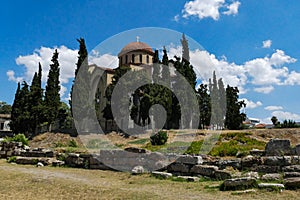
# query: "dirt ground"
30,182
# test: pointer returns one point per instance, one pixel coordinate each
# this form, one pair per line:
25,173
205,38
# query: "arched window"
126,59
132,59
147,59
141,58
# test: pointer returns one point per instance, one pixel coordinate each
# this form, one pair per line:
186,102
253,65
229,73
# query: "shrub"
12,159
17,138
72,143
159,138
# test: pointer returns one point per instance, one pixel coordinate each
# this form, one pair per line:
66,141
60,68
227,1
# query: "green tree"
274,120
20,119
5,108
64,116
36,101
234,118
204,105
82,61
52,97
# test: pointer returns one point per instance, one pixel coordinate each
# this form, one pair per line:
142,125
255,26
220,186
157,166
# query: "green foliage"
52,96
204,106
17,138
5,108
195,147
64,116
12,159
72,143
234,118
139,141
159,138
288,124
236,142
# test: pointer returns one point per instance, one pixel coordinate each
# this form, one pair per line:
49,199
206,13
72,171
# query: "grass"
71,183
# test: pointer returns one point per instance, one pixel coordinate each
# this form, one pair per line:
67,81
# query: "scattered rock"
251,175
238,183
190,178
188,159
257,152
163,175
178,168
135,150
204,170
291,168
138,170
292,183
39,164
291,174
271,177
271,186
243,192
278,147
222,175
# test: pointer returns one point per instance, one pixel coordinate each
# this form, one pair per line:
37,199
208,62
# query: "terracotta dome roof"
133,46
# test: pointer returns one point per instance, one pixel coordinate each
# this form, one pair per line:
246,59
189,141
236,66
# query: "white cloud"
250,104
262,73
282,115
267,71
209,8
265,90
267,44
293,79
233,8
272,108
176,18
105,60
67,59
11,76
203,8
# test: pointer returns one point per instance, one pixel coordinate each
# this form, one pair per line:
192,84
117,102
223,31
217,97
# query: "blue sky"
252,44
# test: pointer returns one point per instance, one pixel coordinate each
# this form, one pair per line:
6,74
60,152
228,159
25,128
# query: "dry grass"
29,182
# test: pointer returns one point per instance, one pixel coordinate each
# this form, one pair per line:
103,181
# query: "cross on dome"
137,39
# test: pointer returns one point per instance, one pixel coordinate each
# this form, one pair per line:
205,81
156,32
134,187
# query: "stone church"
136,55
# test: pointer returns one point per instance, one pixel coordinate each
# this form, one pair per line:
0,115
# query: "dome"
133,46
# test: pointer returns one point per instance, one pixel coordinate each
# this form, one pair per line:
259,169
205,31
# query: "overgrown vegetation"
232,143
17,138
159,138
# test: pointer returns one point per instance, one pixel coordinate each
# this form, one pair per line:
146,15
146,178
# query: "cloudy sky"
251,44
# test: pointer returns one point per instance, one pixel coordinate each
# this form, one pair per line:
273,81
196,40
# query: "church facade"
136,55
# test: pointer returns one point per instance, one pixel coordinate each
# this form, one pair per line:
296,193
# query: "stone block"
204,170
163,175
190,178
292,183
222,175
266,169
271,177
278,147
239,183
291,168
291,174
235,163
188,159
250,161
271,186
179,168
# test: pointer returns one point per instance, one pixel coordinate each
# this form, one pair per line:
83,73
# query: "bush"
72,143
17,138
159,138
12,159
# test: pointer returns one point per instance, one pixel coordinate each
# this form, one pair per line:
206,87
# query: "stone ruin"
279,162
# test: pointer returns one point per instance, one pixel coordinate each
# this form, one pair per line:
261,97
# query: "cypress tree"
16,110
52,97
82,61
234,118
36,101
185,49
